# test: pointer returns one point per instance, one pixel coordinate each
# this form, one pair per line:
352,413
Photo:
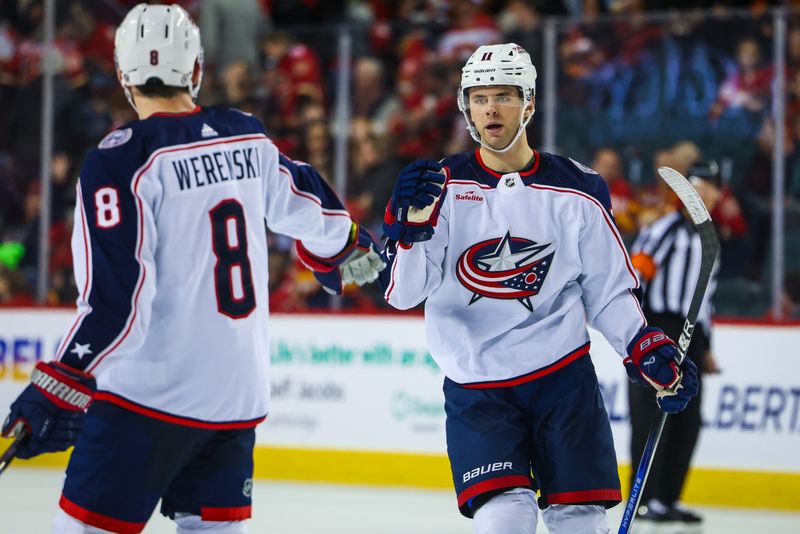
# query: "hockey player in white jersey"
170,343
516,252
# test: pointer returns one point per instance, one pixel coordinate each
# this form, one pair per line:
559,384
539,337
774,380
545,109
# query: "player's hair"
155,88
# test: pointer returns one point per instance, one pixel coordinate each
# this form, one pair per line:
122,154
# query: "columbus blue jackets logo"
505,268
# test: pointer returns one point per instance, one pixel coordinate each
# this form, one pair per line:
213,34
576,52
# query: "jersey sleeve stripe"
84,296
392,284
142,275
310,196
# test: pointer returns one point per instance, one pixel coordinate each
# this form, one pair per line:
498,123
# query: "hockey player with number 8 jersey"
170,341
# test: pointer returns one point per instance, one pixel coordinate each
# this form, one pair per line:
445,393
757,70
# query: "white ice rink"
28,501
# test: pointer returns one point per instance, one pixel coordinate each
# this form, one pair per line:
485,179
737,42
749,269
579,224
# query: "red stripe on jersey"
471,183
196,109
391,285
236,513
574,497
175,419
513,481
539,373
313,198
99,520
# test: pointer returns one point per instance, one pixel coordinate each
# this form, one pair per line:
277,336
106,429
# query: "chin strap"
522,124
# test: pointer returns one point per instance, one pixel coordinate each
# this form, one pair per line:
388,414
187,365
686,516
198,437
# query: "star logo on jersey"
505,268
81,350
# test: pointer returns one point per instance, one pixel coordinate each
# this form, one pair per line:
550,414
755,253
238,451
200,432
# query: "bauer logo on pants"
488,468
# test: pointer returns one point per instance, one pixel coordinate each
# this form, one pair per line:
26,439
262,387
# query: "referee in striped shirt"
667,256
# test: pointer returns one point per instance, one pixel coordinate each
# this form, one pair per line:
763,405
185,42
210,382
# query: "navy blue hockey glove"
51,409
415,203
653,360
359,263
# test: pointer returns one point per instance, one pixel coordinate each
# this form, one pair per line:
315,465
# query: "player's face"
496,113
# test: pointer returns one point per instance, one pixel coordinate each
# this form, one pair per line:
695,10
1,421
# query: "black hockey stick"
709,245
20,434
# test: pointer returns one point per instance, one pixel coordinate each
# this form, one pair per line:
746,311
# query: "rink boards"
357,399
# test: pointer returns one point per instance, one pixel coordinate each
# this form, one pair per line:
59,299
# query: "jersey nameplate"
116,138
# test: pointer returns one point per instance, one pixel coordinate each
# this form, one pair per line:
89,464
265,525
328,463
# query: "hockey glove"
414,206
51,409
359,263
653,360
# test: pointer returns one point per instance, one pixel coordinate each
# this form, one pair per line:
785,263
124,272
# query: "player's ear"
530,108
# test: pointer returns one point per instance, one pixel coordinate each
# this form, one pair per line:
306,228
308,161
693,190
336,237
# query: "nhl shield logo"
505,268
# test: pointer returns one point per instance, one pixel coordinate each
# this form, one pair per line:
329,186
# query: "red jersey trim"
583,350
536,160
388,294
512,481
236,513
174,419
313,198
197,109
470,183
99,520
575,497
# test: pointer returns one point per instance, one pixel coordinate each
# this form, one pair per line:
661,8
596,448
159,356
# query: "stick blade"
687,193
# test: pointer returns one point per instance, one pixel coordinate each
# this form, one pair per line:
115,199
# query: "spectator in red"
298,65
95,38
471,26
608,164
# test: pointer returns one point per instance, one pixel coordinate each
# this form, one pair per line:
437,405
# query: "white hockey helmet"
162,42
499,64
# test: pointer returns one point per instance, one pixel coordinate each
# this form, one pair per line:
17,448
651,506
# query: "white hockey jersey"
518,265
170,256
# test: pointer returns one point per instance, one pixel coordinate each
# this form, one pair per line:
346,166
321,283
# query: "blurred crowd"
279,60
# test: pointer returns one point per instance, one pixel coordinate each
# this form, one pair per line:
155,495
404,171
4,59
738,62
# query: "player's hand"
653,360
414,206
51,409
359,263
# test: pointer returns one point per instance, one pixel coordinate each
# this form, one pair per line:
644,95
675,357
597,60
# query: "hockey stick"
709,245
20,434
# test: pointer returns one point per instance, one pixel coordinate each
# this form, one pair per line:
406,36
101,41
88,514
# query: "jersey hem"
174,419
528,377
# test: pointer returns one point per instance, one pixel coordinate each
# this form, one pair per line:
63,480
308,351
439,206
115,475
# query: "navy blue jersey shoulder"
465,166
127,148
559,171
